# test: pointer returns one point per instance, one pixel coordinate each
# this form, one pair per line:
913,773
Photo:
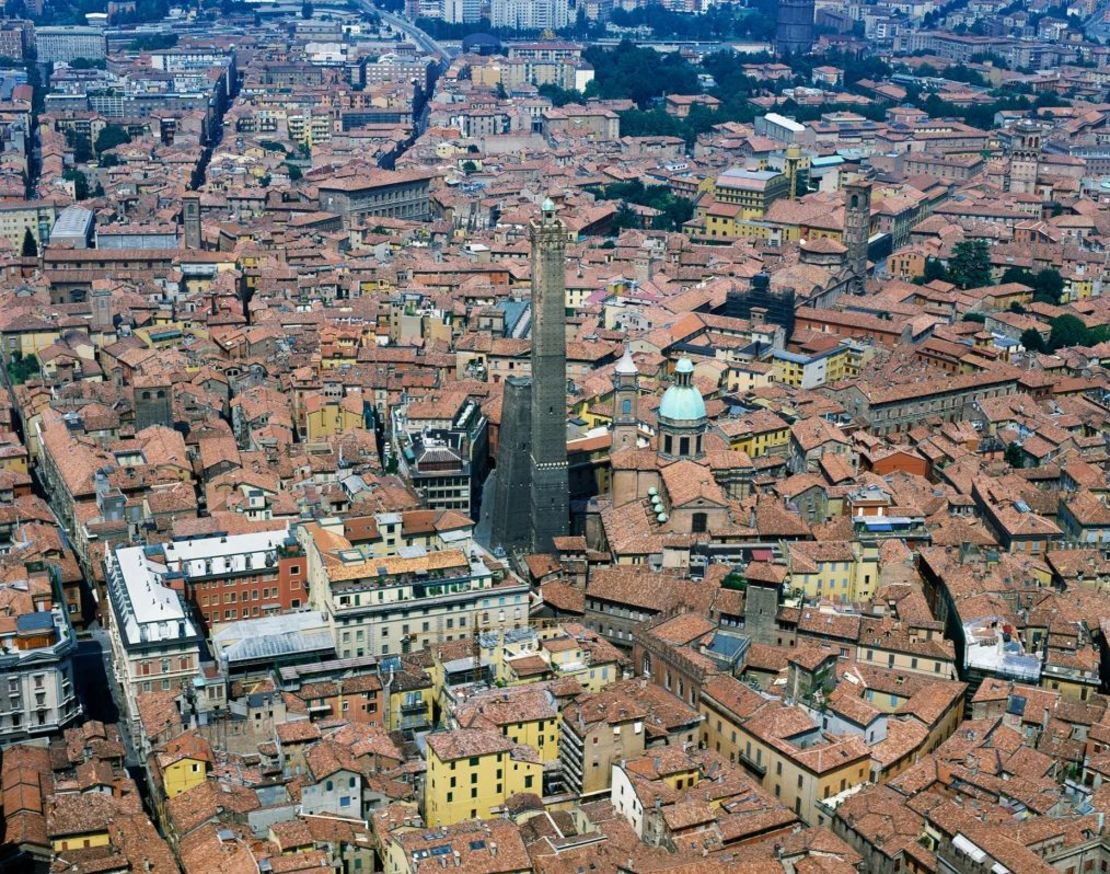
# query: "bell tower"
626,395
857,230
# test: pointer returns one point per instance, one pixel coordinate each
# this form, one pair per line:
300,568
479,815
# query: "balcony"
752,765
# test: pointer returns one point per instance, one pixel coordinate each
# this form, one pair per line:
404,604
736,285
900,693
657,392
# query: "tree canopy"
1069,330
674,211
111,136
970,264
1047,284
638,74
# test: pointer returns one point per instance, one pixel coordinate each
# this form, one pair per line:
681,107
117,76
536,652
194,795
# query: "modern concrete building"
238,576
73,228
17,217
530,14
54,44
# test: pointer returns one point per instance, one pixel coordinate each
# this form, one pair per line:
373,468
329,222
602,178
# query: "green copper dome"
682,402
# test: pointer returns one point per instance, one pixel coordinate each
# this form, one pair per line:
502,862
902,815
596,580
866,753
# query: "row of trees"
1067,331
970,267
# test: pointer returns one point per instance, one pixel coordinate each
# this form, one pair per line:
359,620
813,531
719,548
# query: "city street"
99,690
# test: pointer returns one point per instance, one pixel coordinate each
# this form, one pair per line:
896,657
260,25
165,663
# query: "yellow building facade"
471,773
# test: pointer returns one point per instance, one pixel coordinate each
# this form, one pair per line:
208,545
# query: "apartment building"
616,724
155,643
753,191
471,773
384,193
791,755
526,714
900,407
54,44
409,599
238,576
530,14
37,644
18,217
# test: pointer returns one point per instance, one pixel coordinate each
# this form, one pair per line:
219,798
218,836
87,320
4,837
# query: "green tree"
1048,286
153,42
111,136
500,91
1017,308
306,9
80,183
82,149
980,318
934,269
970,264
638,74
1031,339
295,173
1013,456
560,96
1069,330
625,217
21,369
736,581
30,247
469,167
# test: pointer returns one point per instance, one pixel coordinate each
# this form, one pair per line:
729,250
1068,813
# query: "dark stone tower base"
511,520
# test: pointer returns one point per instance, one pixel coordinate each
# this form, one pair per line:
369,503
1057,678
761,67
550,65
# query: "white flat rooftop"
215,555
151,611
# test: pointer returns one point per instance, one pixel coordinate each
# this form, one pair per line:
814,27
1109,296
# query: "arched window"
626,406
855,201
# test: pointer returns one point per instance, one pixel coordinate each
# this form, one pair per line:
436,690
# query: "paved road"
98,688
425,42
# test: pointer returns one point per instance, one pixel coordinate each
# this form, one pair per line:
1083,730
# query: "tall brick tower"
550,492
857,230
794,27
511,527
190,215
1024,156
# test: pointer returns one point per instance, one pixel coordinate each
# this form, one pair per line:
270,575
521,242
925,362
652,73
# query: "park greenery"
673,211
